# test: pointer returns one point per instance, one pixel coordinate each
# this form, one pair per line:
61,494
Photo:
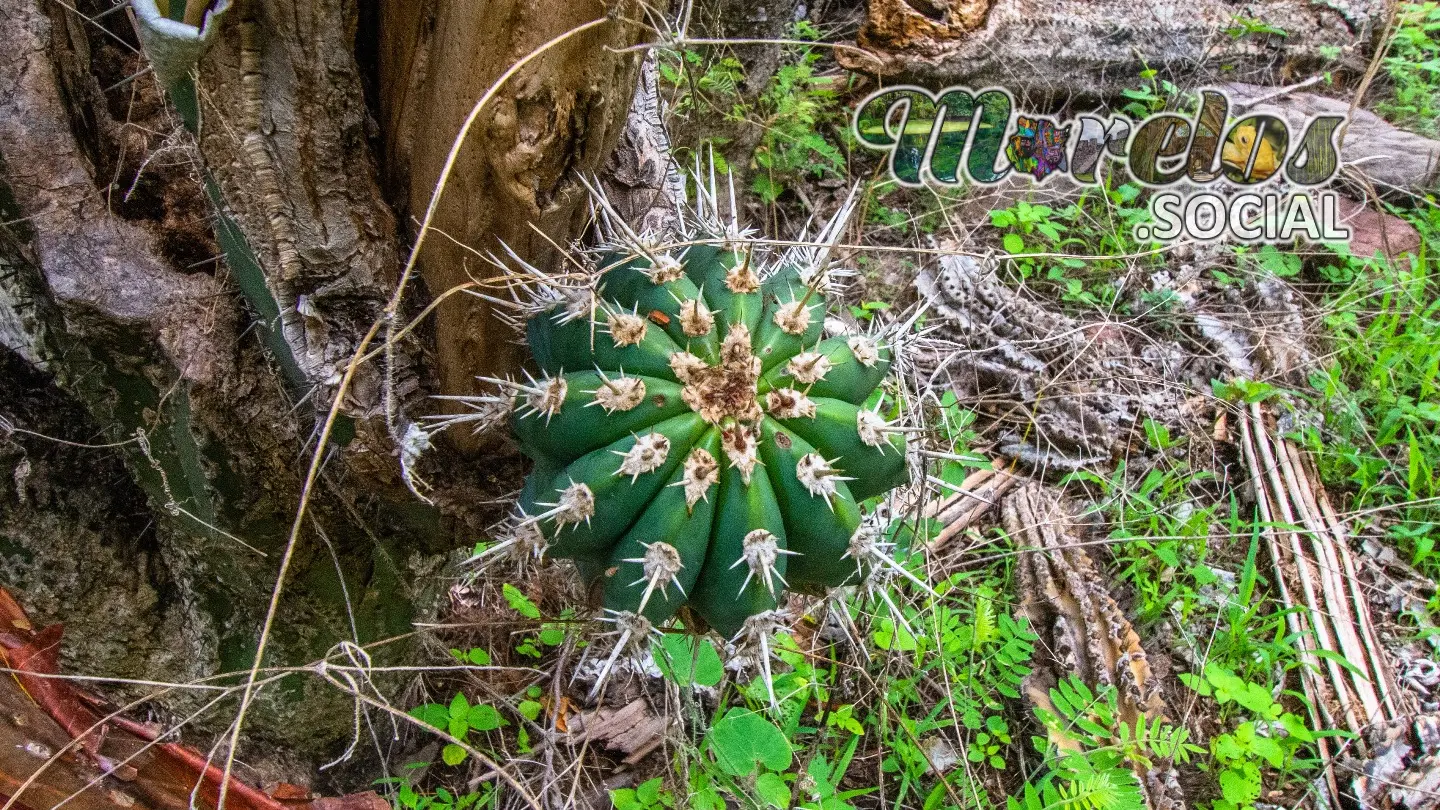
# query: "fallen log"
1099,47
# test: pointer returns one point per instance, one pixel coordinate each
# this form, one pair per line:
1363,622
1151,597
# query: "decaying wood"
1317,572
1067,393
1090,47
978,494
210,374
633,729
1326,606
1082,630
283,130
112,288
642,181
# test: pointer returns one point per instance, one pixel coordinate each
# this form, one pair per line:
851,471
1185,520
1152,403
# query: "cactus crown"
696,439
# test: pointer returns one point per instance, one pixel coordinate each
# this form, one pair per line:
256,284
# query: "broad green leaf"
1240,786
890,636
743,738
624,799
772,788
459,716
432,714
530,709
648,793
483,717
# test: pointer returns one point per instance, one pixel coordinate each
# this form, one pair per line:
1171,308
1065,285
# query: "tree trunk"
192,288
762,22
514,182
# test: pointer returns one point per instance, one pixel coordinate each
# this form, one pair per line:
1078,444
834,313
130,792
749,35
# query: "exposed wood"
980,492
1081,627
210,372
1099,47
61,746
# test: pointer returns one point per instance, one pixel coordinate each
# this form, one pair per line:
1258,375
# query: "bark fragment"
1070,392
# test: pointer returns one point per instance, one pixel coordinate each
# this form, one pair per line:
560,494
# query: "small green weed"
796,111
1099,224
1414,69
1161,531
458,719
650,795
1269,737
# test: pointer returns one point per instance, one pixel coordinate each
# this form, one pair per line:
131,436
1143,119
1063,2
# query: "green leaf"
742,738
624,799
1014,243
1270,750
479,657
453,754
483,717
687,660
1240,785
1297,727
889,636
459,716
1198,684
648,793
519,602
772,788
1331,655
844,718
432,714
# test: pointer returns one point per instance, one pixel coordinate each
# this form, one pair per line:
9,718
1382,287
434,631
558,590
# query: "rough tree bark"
514,182
197,297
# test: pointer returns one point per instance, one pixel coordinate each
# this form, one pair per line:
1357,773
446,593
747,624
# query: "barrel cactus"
696,439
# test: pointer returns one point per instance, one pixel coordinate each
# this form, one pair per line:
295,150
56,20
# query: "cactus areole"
696,441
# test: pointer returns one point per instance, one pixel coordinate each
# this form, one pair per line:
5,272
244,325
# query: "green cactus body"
697,442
